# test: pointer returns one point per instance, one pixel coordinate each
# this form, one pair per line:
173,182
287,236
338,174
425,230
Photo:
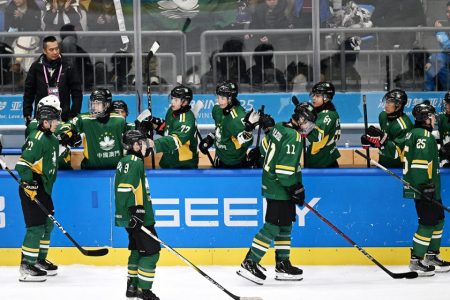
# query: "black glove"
251,120
158,124
254,158
145,126
27,120
137,216
206,143
30,188
297,192
374,137
266,122
365,143
427,191
70,138
445,150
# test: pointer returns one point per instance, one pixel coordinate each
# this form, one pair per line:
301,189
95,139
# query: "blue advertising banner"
349,105
224,209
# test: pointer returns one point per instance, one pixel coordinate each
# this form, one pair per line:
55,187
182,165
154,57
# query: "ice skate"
30,273
147,295
47,266
132,290
418,265
285,271
250,271
434,259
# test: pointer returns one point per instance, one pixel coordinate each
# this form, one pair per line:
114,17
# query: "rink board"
205,210
349,105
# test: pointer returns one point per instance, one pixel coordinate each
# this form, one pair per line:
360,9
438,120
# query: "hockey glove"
206,143
297,192
137,216
254,158
376,137
427,191
266,122
365,143
251,120
159,125
145,126
69,138
30,188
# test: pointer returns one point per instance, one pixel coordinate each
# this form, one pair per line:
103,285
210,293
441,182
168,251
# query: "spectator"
61,12
437,72
264,73
50,75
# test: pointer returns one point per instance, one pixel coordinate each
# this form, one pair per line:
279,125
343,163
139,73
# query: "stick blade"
295,100
407,275
250,298
154,48
95,252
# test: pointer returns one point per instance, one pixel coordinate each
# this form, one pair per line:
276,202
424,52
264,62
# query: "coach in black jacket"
51,75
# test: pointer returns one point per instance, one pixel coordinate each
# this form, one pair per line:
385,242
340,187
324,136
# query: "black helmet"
47,112
100,95
182,92
134,136
446,100
398,97
305,116
423,111
324,88
227,89
120,104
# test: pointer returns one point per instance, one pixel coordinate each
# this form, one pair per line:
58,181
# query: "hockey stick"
408,275
96,252
407,184
186,25
148,232
150,54
195,110
366,126
258,137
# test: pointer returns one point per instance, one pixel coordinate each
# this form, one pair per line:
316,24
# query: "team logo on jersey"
177,9
106,141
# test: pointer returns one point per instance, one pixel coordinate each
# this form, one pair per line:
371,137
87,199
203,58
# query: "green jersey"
63,160
390,153
130,189
444,134
231,145
39,159
179,143
102,141
322,151
282,148
421,162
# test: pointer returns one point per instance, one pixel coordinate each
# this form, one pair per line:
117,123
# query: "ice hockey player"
394,124
121,108
133,210
103,130
37,168
444,131
421,170
179,132
283,189
322,151
233,134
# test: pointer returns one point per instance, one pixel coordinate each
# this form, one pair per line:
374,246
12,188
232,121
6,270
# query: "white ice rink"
180,283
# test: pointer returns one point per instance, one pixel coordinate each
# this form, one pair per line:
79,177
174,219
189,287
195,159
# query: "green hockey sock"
133,261
45,240
146,271
282,243
421,240
436,237
262,240
30,246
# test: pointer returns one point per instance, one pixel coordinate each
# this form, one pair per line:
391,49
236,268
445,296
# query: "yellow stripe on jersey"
37,167
430,170
298,137
236,143
317,146
233,113
402,123
420,161
265,144
283,167
23,162
39,135
85,146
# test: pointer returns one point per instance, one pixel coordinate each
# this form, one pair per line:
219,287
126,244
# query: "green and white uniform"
131,189
179,143
231,147
102,141
322,151
421,166
39,161
390,153
282,148
63,161
444,135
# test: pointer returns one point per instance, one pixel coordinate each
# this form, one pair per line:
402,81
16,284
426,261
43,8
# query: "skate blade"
286,277
425,274
28,278
250,277
442,269
51,273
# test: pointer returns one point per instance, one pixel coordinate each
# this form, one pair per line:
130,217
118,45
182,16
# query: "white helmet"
50,100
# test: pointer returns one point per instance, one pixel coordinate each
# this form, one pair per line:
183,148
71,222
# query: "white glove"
251,120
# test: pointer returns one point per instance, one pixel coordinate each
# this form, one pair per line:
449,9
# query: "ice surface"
184,283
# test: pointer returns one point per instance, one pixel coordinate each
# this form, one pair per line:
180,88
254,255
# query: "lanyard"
46,78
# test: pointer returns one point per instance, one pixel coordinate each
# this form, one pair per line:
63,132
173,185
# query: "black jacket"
69,85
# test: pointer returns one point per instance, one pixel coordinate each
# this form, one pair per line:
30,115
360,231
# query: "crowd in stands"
262,71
